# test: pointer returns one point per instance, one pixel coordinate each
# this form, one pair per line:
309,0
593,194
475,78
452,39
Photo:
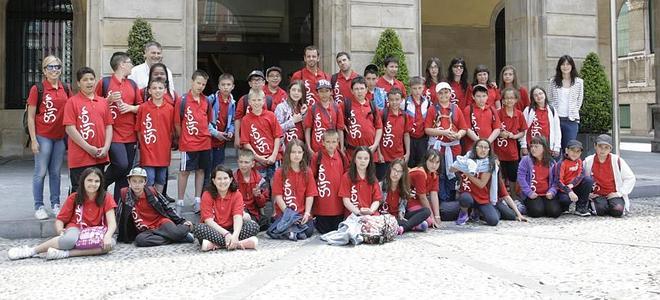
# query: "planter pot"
587,140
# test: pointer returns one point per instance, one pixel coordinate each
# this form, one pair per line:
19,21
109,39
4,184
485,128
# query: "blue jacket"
215,104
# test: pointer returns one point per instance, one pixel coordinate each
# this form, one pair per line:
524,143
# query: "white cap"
137,171
442,85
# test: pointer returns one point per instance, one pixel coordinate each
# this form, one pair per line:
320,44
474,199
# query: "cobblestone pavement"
572,257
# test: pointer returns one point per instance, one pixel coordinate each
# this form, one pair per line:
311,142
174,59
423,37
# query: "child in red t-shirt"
294,187
256,81
572,185
537,181
359,187
252,186
192,115
222,123
363,125
425,186
328,166
155,124
509,79
397,193
481,76
416,107
221,216
291,113
483,120
323,115
395,142
506,144
88,206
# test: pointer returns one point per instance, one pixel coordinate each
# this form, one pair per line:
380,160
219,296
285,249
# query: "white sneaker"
56,254
196,207
56,210
41,213
20,252
178,205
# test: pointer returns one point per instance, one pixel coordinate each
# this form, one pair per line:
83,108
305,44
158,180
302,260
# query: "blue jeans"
447,187
569,131
49,158
488,211
217,158
121,162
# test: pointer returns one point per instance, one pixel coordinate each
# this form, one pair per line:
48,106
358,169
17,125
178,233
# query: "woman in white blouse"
566,92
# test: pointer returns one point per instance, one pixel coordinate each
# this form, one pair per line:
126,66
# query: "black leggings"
414,218
205,232
543,207
418,148
613,207
325,224
165,234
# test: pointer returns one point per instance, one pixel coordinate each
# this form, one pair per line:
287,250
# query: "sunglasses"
459,66
53,67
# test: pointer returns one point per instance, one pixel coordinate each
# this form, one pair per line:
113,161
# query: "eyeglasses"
257,80
53,67
458,66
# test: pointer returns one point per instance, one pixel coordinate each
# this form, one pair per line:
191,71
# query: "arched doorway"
500,43
35,29
235,38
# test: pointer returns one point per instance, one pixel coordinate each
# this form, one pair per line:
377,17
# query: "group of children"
445,152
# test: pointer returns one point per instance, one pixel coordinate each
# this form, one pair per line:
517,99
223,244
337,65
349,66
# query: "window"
624,115
39,28
623,30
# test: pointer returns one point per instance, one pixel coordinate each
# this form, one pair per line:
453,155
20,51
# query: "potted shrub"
596,111
139,35
390,45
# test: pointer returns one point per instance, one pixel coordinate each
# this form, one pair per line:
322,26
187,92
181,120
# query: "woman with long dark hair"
397,194
433,75
458,81
565,94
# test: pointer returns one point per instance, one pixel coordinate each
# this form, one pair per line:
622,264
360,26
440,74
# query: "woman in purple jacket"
538,182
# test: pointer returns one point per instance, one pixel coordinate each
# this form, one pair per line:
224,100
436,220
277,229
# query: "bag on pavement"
378,229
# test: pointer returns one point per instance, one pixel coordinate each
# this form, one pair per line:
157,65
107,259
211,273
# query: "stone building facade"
231,35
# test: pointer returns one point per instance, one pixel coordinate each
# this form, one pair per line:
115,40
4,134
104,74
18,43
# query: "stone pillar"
539,32
655,144
355,26
174,24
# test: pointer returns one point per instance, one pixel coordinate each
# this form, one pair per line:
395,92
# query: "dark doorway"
500,43
35,29
238,36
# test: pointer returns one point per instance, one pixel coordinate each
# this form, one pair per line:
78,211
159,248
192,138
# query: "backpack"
492,111
378,229
269,103
40,95
105,84
184,100
230,112
405,117
348,107
438,109
334,106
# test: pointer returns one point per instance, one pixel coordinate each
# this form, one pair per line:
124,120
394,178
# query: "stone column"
655,144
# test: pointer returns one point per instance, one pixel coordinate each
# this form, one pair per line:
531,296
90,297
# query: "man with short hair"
388,80
341,81
152,54
310,74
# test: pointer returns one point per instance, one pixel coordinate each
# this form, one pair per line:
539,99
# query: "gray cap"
574,144
604,139
256,73
137,171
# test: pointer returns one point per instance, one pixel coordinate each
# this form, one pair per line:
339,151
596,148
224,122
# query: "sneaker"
20,252
41,213
249,243
293,236
208,246
399,231
571,208
422,226
462,218
474,216
582,212
56,210
189,238
169,199
56,254
196,209
301,236
179,206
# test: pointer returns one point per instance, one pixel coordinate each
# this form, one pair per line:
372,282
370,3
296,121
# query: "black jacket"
125,222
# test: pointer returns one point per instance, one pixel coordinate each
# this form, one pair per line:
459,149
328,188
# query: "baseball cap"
256,73
604,139
574,144
442,85
137,171
273,68
323,84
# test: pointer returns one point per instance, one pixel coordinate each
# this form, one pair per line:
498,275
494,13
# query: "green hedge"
139,35
390,45
596,111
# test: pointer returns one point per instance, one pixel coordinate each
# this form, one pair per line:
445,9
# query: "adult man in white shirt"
152,54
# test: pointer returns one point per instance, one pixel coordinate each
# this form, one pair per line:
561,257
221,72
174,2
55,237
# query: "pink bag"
90,237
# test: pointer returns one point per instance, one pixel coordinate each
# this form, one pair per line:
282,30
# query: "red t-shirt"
92,214
493,96
391,144
387,86
90,117
145,216
540,125
461,95
429,93
48,120
195,134
507,149
260,132
328,176
417,126
480,195
540,178
221,120
482,121
221,209
570,169
294,190
320,119
252,203
295,132
155,125
418,186
603,176
446,120
144,93
123,129
524,99
391,204
342,89
310,79
278,96
361,126
362,194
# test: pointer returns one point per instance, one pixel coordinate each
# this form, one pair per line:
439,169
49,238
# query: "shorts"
156,175
195,160
509,170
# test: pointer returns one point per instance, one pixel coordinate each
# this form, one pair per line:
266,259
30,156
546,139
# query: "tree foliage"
390,45
596,111
139,35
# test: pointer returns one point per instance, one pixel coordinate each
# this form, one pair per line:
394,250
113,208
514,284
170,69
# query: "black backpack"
40,95
269,103
348,106
405,117
334,106
105,84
